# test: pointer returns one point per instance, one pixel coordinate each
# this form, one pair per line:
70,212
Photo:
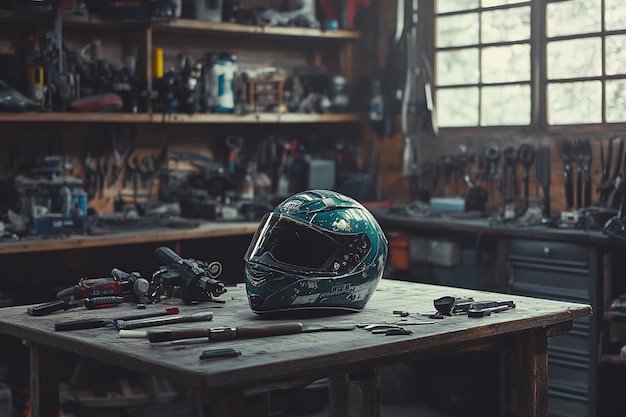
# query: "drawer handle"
547,250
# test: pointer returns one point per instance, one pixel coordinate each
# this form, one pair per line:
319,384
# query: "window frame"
538,70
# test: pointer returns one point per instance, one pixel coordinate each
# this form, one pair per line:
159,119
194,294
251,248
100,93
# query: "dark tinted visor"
304,248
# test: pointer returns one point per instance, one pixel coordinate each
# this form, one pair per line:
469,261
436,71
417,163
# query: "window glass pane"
615,14
457,30
507,105
505,64
505,25
577,102
616,101
572,17
457,107
574,58
615,54
457,67
444,6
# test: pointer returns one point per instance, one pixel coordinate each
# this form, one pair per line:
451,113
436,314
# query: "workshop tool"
197,279
219,353
159,321
91,287
89,303
616,178
604,186
486,308
449,305
543,174
567,156
508,185
493,157
615,226
133,283
219,334
104,322
586,159
418,73
526,157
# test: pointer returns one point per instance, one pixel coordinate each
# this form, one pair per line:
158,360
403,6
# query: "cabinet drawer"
548,281
556,251
565,405
568,373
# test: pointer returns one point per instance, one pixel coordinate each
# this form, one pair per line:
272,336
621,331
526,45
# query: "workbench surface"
272,361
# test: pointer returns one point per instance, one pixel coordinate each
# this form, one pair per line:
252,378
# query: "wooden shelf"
189,25
613,359
207,230
184,26
200,118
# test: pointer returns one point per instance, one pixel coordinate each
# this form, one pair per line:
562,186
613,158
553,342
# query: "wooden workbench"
288,360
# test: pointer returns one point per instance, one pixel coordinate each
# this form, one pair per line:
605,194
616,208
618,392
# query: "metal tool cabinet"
567,272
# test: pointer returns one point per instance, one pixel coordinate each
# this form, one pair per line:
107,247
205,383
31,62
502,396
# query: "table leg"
44,381
338,395
368,391
532,384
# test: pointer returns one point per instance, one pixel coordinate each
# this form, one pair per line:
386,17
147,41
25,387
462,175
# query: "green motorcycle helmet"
318,250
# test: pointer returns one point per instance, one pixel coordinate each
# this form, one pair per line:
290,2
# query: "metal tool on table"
89,303
448,306
486,308
91,287
526,157
197,279
220,334
160,321
104,322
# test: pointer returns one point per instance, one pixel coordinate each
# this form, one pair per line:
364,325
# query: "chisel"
218,334
159,321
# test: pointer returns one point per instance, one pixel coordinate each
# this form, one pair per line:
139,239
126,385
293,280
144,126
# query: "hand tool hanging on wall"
586,162
604,186
418,105
617,178
543,173
568,173
508,185
526,156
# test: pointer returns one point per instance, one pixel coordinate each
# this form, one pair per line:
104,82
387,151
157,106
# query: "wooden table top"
305,356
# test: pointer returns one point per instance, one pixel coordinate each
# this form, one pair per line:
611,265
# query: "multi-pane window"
484,62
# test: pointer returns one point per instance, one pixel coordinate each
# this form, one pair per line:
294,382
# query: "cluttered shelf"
187,26
147,235
72,117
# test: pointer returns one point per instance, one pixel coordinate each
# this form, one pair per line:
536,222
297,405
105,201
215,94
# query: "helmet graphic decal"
341,224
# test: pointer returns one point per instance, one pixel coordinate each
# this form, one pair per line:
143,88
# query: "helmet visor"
288,243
